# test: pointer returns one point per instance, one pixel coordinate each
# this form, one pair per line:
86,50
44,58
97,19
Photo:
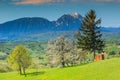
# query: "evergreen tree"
89,36
20,58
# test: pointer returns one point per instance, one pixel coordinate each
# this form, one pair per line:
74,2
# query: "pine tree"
20,58
89,36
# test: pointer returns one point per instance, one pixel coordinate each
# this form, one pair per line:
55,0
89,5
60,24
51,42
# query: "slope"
101,70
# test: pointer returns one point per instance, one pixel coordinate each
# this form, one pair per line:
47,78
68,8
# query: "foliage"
112,53
3,56
112,50
20,58
89,36
5,67
61,51
119,53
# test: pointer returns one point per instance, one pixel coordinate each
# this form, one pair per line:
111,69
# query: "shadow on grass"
82,64
35,73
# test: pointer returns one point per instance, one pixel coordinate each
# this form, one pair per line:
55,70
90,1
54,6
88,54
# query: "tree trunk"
63,62
20,70
62,55
67,64
103,57
94,54
24,72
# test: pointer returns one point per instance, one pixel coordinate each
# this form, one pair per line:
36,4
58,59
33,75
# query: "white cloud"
107,0
19,2
36,1
95,0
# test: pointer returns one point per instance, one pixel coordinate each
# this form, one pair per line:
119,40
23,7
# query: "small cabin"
100,57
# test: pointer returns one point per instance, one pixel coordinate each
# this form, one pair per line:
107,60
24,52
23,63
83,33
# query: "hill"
101,70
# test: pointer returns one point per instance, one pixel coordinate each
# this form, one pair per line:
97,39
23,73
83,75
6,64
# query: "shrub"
5,68
112,53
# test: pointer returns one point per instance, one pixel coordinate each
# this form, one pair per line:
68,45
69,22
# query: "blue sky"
108,10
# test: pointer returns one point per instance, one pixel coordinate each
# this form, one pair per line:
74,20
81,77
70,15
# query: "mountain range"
37,25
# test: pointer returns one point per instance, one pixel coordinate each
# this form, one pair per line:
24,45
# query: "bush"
3,56
5,68
112,53
119,52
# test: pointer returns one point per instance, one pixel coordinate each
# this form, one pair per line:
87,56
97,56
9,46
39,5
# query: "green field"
102,70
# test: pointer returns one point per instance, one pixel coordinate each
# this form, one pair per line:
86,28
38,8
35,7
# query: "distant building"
101,56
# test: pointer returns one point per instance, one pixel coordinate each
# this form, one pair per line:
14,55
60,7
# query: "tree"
59,51
89,36
52,54
20,58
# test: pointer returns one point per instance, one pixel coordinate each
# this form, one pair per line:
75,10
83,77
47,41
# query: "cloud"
23,2
107,0
36,1
95,0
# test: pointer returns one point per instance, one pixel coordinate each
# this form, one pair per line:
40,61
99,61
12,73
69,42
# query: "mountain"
35,25
27,28
110,29
69,22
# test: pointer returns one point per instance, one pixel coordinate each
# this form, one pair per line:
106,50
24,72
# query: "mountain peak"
75,15
72,16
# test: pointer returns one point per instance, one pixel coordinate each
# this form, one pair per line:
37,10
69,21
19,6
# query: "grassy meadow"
101,70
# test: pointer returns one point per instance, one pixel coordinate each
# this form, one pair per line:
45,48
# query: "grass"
101,70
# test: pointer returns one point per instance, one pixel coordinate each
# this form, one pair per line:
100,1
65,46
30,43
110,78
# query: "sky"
107,10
